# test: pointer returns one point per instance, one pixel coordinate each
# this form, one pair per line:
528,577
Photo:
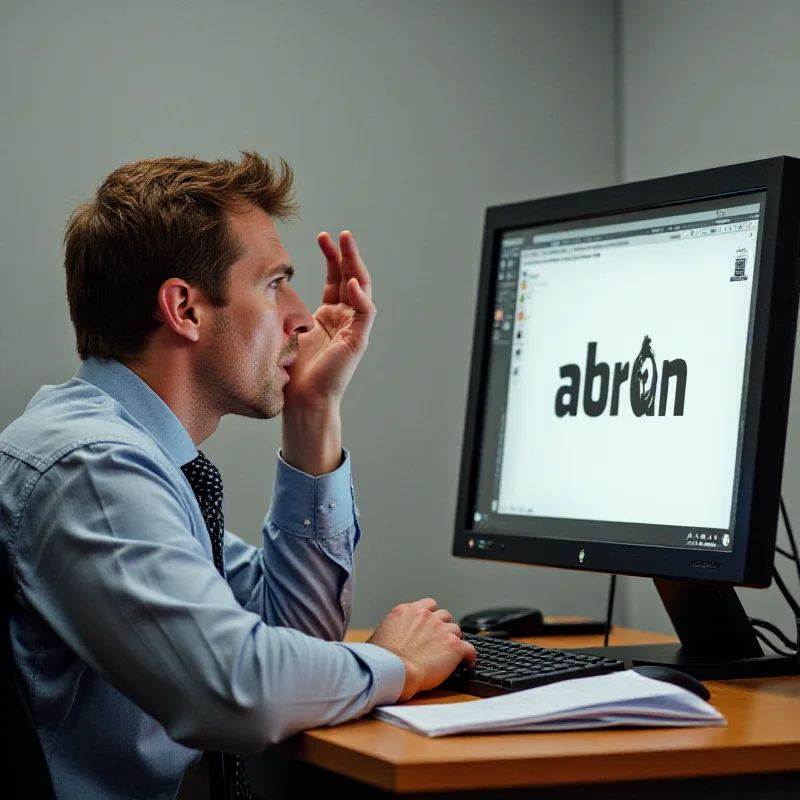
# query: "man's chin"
274,405
265,409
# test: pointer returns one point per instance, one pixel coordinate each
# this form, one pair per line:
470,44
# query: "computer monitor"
629,392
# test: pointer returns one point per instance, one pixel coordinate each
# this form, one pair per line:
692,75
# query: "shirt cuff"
314,508
387,669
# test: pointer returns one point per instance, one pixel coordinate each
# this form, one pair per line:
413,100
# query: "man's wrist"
312,439
411,685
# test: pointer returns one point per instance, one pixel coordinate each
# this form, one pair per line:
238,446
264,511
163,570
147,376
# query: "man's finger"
443,615
358,300
352,266
468,653
363,319
426,602
333,260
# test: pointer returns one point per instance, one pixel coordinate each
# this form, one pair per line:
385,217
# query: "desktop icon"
739,265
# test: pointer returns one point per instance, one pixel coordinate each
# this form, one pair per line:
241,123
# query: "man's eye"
274,284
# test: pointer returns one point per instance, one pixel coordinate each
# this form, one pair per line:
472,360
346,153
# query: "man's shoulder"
60,419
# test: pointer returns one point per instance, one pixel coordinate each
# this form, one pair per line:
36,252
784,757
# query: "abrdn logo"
642,389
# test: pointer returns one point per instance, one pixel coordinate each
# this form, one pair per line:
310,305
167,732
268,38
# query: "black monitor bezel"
770,371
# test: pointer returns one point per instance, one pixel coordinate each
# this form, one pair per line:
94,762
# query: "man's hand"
328,356
330,352
427,640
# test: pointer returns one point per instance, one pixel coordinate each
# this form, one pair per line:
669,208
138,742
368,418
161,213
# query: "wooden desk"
372,758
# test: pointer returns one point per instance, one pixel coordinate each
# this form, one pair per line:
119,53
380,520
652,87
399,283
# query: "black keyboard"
504,666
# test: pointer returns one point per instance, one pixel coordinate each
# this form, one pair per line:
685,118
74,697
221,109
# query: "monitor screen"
616,376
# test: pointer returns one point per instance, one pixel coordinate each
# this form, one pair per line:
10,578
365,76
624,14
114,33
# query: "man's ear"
180,307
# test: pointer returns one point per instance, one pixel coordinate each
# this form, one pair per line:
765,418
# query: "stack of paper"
621,698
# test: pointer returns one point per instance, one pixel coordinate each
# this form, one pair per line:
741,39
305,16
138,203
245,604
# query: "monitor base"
715,638
702,668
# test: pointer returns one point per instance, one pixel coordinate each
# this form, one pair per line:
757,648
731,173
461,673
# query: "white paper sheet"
621,698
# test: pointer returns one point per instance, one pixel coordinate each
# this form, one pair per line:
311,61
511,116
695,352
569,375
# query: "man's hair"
153,220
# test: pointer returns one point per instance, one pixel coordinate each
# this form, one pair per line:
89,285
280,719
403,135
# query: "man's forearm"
312,440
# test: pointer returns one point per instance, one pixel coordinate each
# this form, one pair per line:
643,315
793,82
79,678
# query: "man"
143,634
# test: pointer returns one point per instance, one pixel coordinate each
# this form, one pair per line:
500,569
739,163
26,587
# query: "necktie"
206,483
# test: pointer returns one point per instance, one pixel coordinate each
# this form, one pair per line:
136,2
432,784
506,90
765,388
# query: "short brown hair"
153,220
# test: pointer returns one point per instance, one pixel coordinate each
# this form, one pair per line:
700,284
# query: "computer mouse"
507,621
675,677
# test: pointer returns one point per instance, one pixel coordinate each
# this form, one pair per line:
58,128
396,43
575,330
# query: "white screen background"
659,470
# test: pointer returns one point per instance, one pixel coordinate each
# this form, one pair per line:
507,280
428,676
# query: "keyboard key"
504,666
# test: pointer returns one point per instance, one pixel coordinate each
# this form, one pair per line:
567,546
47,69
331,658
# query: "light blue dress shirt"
135,652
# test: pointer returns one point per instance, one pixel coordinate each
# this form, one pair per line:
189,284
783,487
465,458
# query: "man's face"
256,332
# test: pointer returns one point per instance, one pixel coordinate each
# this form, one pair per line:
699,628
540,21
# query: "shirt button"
307,522
332,504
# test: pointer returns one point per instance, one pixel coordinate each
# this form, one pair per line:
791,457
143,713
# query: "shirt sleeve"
302,577
106,557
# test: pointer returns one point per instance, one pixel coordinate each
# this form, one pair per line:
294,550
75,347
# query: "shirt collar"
142,403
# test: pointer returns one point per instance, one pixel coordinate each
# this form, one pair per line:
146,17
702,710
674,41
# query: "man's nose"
299,319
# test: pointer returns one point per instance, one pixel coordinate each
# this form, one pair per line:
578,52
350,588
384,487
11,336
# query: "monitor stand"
716,638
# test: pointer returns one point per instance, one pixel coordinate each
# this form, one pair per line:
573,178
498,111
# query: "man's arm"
312,440
302,577
107,560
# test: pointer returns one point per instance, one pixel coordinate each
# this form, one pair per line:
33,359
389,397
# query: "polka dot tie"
206,483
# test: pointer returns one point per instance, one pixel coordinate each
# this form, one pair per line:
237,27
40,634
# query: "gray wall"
403,121
705,83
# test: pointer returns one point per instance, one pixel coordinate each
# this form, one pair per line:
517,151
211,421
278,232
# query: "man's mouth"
284,365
